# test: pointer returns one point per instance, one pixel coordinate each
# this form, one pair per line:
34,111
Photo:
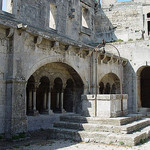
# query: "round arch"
53,71
109,84
143,86
48,60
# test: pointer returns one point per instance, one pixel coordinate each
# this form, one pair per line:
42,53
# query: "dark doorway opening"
41,91
148,27
56,95
145,87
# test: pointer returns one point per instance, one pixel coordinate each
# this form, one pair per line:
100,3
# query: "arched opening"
101,88
107,89
145,87
42,94
69,96
148,15
56,95
113,89
29,93
58,87
110,84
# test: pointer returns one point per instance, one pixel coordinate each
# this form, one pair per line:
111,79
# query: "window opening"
85,18
7,5
52,17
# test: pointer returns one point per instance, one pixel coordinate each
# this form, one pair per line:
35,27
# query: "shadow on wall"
128,82
104,29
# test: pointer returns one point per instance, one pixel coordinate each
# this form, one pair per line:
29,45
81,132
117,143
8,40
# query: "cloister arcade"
109,84
53,88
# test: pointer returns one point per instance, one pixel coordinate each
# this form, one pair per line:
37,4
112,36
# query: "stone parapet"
108,105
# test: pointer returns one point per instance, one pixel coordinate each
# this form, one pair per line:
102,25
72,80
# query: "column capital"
36,84
51,87
64,86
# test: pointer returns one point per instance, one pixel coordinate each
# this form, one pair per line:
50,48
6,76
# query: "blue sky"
4,5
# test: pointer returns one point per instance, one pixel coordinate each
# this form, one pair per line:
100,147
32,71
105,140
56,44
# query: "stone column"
57,102
62,101
30,101
35,112
49,102
44,102
138,89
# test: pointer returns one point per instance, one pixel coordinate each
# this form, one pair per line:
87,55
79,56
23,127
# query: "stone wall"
3,72
25,49
68,17
123,21
138,55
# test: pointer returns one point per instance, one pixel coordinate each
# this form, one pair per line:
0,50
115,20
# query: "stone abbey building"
48,58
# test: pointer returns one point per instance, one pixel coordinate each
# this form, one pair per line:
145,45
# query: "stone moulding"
108,105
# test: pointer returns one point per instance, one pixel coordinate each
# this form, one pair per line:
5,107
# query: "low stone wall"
108,105
42,121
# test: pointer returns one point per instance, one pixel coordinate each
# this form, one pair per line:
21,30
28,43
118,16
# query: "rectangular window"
7,5
85,18
52,17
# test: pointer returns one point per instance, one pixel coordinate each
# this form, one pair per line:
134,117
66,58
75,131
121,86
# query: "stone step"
101,137
92,127
135,126
107,121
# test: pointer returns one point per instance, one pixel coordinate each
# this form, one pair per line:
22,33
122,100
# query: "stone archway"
109,84
51,82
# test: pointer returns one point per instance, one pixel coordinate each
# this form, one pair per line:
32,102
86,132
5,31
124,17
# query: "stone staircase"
129,130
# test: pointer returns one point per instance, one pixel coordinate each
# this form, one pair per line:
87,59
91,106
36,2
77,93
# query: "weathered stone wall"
28,48
3,71
68,17
122,21
137,53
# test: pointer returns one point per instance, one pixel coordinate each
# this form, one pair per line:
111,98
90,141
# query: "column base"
63,111
50,112
33,113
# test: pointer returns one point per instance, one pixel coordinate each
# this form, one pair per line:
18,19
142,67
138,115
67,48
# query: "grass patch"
110,142
121,143
1,137
142,141
139,39
119,40
19,136
130,40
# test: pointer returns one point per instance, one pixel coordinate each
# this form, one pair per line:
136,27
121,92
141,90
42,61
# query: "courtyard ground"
38,144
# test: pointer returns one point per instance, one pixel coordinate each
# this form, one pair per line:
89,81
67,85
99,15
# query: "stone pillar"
44,102
62,102
57,102
30,101
49,102
15,118
138,89
35,112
